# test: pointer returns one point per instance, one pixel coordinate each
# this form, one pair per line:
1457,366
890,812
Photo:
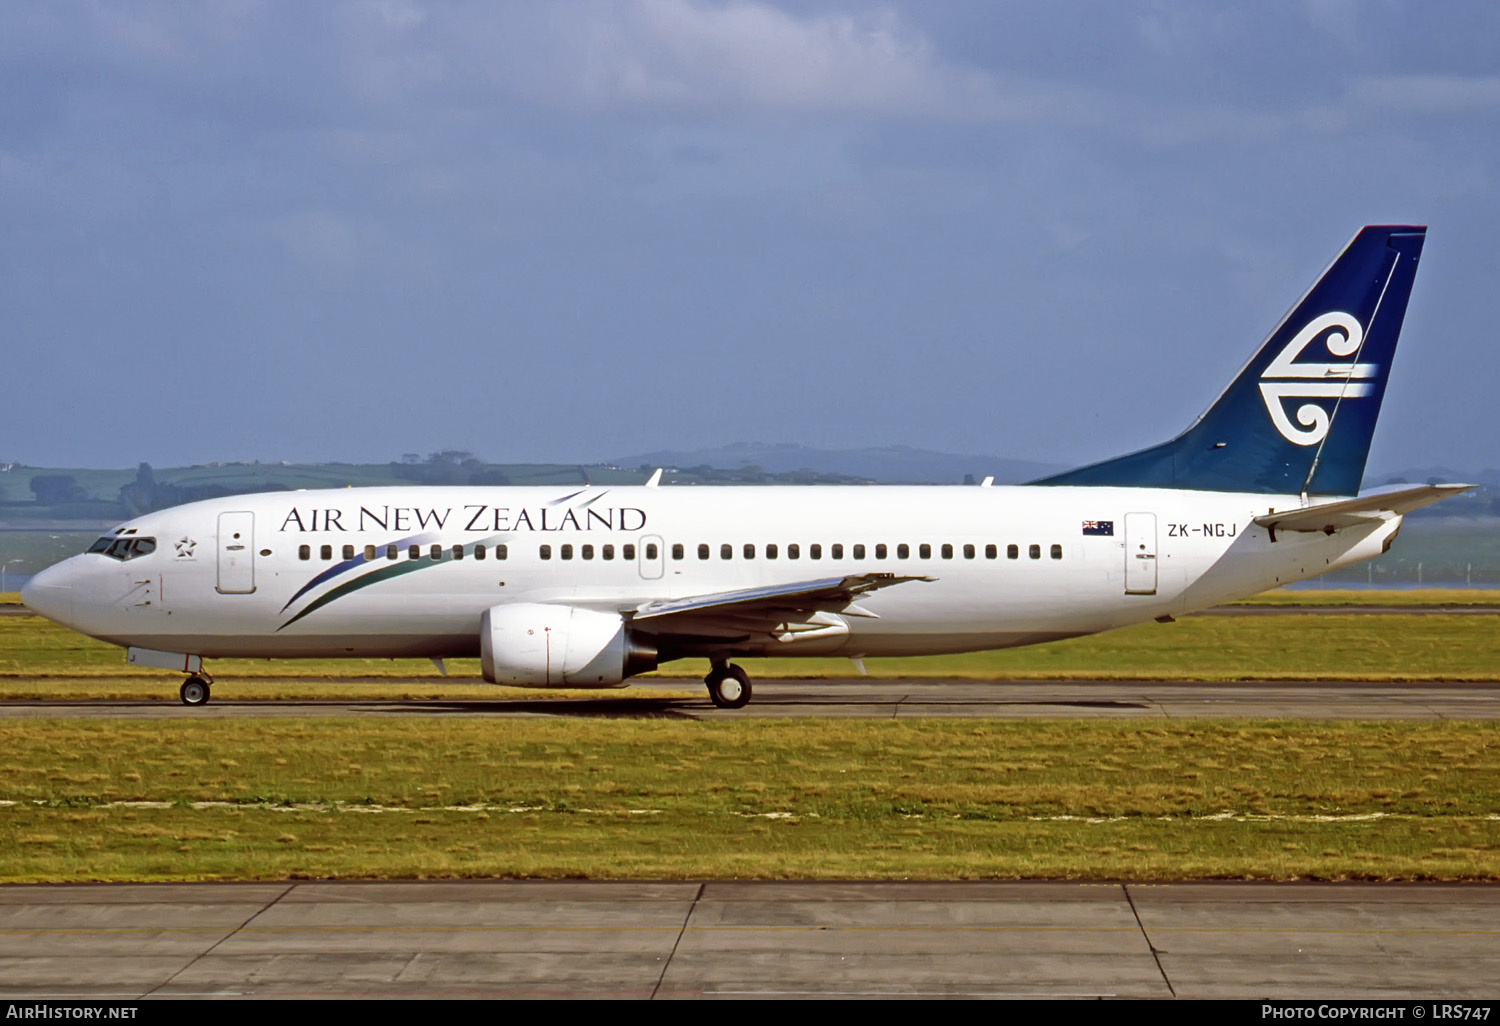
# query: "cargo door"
1140,553
236,553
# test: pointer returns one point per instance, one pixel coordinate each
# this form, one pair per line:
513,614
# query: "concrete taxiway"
867,698
738,939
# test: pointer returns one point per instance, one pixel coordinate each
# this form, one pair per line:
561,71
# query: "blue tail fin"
1299,417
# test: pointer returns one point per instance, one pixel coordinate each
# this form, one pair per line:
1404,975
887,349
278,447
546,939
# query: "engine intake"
535,645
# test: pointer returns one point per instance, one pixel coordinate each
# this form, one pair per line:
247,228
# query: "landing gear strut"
195,690
728,685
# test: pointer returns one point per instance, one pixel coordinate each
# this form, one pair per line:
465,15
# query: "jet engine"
543,646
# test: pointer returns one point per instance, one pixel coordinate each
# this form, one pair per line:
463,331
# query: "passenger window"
677,552
793,551
1012,552
947,551
924,550
726,551
458,552
991,551
304,552
880,551
903,551
651,550
702,551
815,552
771,551
348,551
837,552
479,551
502,551
369,553
567,552
390,552
1057,552
749,551
1034,551
607,551
968,552
326,552
414,552
627,552
588,552
859,552
436,552
545,552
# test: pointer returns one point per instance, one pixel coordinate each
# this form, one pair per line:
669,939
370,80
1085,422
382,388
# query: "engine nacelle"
535,645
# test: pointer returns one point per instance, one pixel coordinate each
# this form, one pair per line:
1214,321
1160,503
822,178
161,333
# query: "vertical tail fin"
1300,415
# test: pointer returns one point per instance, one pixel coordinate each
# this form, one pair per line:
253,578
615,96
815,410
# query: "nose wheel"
728,686
195,690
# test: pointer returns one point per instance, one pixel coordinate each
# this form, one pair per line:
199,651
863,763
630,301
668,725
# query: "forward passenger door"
236,553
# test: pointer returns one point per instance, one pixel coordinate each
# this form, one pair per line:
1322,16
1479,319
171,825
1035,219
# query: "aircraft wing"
787,611
1328,517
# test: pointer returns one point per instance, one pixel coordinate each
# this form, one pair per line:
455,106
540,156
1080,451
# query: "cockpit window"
124,548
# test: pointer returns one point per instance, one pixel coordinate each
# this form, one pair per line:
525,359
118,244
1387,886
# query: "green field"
432,797
40,660
421,795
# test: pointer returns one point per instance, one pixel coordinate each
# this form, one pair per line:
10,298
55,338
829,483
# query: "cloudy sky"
579,230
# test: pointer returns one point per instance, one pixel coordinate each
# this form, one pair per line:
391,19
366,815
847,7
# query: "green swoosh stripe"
385,573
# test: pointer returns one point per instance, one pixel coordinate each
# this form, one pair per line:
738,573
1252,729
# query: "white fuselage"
272,574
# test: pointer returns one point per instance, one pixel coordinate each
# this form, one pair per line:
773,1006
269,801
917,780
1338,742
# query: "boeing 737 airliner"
585,587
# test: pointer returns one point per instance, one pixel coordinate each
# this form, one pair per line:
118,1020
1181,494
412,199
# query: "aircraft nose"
48,594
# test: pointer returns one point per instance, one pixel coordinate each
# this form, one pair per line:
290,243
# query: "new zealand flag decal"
1105,527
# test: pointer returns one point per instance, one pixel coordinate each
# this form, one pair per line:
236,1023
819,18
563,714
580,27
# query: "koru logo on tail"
1284,380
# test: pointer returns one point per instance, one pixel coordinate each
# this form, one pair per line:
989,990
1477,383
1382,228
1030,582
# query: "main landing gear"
728,685
195,690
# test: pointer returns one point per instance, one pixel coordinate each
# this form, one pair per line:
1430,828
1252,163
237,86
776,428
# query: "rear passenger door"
1140,553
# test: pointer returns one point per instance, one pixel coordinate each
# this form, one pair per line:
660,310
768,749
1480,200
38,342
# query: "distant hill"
31,494
1483,501
31,497
896,464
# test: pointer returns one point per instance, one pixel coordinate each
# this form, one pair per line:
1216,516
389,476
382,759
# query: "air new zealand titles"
475,517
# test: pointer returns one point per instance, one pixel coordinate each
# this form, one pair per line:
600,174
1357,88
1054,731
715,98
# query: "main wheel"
728,687
194,691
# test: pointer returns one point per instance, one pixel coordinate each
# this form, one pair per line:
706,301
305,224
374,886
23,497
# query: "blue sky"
572,231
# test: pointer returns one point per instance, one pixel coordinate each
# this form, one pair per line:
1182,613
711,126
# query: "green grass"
39,660
434,797
1375,597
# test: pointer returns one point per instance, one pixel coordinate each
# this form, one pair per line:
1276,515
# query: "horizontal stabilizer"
1331,516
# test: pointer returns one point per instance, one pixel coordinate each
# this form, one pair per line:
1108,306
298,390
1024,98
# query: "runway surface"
737,939
867,698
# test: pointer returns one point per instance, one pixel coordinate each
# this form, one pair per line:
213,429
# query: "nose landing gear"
728,685
195,690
